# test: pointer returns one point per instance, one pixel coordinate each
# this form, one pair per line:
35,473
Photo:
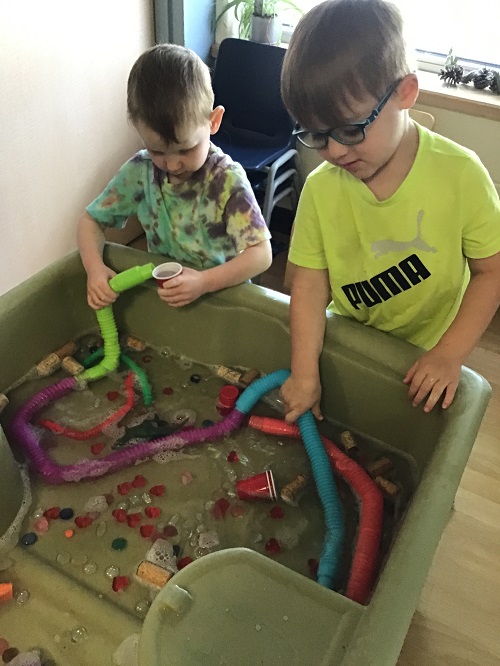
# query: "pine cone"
495,83
451,75
482,78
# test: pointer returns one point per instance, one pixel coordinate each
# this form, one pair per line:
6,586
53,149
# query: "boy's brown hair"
340,51
169,90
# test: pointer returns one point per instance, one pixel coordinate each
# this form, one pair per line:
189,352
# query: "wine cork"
228,374
249,376
66,350
389,488
379,467
72,366
135,343
152,575
348,441
4,401
49,365
291,491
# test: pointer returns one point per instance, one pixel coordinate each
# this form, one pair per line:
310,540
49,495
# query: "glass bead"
146,498
29,539
22,597
122,505
119,544
142,607
66,514
5,563
175,519
101,529
79,559
63,558
90,568
78,635
112,571
135,500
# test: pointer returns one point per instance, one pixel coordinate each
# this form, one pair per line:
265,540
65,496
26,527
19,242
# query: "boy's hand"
435,373
99,293
299,395
183,289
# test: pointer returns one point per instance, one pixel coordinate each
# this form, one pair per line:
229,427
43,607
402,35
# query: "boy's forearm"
479,305
90,239
246,265
307,320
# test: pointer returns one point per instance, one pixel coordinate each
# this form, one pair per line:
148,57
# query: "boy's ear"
408,91
216,119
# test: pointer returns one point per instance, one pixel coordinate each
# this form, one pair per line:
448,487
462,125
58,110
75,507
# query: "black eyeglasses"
347,135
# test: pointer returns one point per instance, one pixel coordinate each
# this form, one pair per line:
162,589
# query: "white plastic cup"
165,272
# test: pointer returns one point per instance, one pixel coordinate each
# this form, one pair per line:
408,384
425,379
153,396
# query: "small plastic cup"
227,399
260,486
167,271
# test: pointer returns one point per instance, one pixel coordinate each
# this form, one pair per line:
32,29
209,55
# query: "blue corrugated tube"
322,472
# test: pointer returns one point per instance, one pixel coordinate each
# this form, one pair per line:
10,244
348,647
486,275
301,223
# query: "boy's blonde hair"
169,90
341,51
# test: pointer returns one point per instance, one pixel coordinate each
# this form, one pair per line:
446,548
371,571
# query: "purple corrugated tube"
23,432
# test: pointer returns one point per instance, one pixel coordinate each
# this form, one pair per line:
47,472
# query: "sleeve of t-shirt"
481,229
122,195
241,213
307,247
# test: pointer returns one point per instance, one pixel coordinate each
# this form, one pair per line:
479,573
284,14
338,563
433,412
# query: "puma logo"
381,247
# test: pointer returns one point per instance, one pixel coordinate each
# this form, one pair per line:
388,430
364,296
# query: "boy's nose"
335,151
173,164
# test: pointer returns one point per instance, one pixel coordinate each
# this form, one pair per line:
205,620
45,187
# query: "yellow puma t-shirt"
399,265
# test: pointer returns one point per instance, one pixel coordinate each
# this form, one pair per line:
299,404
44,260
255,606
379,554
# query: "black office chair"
256,130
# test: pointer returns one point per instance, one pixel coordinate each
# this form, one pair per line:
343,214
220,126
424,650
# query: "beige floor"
458,618
457,622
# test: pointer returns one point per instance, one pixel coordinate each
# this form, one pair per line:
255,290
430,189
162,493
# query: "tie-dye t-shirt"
204,221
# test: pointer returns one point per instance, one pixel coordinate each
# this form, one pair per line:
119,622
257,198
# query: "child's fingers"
449,395
435,394
317,412
420,388
409,374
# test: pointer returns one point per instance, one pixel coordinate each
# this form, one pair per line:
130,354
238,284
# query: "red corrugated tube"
88,434
364,563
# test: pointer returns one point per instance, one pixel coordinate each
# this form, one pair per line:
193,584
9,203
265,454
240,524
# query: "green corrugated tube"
109,334
147,391
121,282
131,277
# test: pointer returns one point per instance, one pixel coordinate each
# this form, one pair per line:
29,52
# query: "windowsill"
460,98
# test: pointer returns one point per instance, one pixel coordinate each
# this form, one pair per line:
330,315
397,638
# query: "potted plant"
258,19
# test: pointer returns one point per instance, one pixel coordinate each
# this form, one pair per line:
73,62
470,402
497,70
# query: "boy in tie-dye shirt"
195,204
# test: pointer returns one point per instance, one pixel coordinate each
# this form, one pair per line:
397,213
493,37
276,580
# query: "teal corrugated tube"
323,475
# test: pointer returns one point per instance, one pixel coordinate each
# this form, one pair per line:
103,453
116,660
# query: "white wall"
63,125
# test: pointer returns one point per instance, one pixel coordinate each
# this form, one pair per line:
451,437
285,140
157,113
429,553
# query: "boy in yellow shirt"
399,226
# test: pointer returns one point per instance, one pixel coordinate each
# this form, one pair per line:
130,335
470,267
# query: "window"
435,26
